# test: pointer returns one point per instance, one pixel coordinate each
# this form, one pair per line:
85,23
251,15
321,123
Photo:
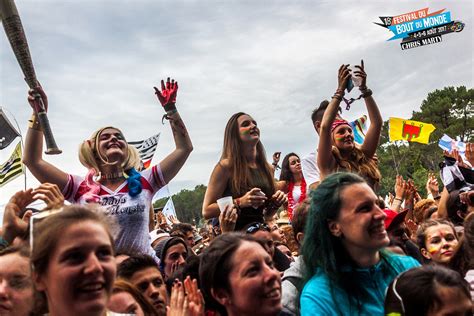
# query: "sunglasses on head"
256,227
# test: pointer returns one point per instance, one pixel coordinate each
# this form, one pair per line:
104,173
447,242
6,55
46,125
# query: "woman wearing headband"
113,180
337,150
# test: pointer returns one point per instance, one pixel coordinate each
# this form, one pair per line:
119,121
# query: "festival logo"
420,28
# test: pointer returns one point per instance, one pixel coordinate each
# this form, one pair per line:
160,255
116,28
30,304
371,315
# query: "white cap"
154,235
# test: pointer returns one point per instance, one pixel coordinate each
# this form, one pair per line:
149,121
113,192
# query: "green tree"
451,111
187,203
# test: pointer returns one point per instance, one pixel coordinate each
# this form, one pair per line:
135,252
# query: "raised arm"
372,137
33,153
326,162
174,161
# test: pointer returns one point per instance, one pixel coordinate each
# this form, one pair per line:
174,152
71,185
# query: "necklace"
291,202
110,176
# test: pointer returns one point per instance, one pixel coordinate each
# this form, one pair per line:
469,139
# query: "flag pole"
21,141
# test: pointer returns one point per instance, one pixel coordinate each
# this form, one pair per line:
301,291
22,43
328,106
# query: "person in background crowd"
292,280
126,299
284,250
143,273
337,150
292,182
262,232
398,234
113,180
243,173
16,287
437,240
309,165
73,264
185,231
156,236
238,277
347,272
173,252
428,290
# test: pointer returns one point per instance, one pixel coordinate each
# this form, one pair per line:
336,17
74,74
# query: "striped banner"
146,148
12,168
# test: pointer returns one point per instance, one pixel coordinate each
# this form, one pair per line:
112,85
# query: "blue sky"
99,60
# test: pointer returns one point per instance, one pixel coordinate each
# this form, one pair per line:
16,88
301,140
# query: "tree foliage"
187,203
451,111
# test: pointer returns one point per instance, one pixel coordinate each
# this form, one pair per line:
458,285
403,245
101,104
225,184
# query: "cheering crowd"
317,241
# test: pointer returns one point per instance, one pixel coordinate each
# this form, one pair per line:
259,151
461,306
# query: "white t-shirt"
310,169
130,213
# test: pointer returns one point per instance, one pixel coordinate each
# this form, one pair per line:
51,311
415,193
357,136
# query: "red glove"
167,95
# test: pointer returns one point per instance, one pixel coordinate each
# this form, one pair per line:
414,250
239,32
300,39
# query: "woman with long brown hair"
337,150
292,182
243,173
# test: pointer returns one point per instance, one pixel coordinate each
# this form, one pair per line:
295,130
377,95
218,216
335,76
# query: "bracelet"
34,123
340,92
367,93
337,96
170,107
3,243
237,202
398,199
363,88
437,197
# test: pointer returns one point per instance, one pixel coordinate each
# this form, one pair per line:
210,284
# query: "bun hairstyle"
90,157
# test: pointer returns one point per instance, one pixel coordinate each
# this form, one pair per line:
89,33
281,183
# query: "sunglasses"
256,227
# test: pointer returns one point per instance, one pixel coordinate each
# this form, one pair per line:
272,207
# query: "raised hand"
361,73
34,100
470,153
432,185
401,188
50,194
13,225
276,157
168,93
344,74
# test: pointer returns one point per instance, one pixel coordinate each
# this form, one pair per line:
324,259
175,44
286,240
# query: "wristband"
337,96
34,123
169,107
237,202
437,197
3,243
398,199
366,93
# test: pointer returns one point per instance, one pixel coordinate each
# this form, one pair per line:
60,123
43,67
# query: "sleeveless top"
249,214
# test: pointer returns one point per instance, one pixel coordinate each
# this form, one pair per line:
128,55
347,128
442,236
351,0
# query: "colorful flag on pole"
359,128
12,168
412,131
146,148
448,144
7,132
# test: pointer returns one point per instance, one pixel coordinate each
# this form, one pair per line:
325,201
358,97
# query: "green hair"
324,252
321,249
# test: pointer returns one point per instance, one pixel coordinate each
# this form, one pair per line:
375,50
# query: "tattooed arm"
176,159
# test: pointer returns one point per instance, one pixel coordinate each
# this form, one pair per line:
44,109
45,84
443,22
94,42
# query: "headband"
337,123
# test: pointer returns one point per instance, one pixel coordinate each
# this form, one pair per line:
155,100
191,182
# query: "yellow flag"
412,131
12,168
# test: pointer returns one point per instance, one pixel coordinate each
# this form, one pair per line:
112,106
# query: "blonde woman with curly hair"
113,180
